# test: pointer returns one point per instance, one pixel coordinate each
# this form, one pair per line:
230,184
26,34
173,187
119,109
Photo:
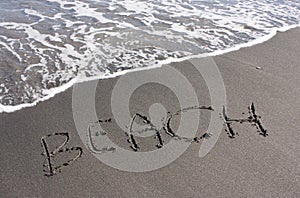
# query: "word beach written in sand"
52,166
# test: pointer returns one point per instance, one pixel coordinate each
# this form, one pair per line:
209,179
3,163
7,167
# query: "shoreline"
248,165
56,90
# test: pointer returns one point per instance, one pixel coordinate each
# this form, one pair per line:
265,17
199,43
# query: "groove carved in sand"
253,119
51,168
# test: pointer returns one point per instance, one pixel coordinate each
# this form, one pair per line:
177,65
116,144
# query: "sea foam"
47,46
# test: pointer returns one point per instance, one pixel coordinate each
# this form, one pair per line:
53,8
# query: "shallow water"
46,45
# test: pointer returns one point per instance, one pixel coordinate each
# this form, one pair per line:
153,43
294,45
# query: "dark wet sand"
249,165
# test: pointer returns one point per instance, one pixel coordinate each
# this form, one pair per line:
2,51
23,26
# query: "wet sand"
249,165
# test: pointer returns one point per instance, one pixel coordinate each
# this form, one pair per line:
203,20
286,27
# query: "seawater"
48,45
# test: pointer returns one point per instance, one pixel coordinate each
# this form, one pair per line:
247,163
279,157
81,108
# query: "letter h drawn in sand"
51,168
253,118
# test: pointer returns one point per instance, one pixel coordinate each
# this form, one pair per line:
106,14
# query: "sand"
249,165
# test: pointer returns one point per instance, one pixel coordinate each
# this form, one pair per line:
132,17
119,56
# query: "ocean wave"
47,46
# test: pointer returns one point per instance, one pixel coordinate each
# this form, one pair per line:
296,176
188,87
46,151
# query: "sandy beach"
249,165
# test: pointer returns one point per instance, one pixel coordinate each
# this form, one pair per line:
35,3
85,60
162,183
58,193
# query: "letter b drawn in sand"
50,168
84,113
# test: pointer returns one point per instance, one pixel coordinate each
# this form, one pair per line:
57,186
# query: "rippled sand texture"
45,44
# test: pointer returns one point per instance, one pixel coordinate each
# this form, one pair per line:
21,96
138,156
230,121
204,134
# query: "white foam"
76,40
80,79
51,93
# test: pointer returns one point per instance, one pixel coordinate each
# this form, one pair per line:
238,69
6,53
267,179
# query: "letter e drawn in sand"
92,146
51,168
